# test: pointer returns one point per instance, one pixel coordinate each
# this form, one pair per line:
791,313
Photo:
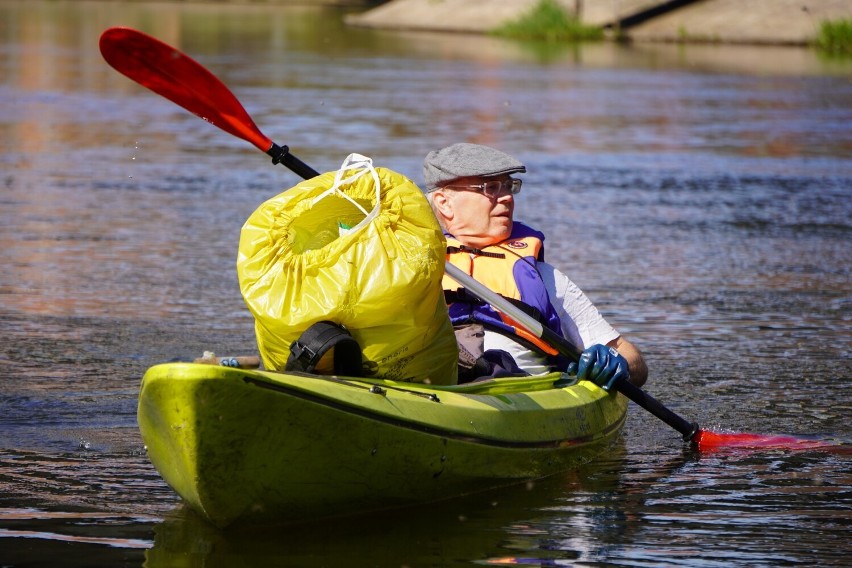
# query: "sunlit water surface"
701,195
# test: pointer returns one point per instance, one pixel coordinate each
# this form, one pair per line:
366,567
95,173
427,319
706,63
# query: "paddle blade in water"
705,440
179,78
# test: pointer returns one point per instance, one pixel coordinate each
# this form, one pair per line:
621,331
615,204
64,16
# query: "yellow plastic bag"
360,247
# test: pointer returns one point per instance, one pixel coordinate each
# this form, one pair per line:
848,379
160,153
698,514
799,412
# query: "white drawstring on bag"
362,165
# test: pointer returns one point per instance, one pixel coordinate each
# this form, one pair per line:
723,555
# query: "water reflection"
439,534
623,511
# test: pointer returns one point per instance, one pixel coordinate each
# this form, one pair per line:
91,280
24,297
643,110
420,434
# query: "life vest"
508,268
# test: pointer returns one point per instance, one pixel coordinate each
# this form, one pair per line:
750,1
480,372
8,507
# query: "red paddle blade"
707,441
182,80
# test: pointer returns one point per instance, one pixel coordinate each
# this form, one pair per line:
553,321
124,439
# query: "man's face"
476,219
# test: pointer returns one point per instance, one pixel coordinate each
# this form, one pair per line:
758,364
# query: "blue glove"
602,365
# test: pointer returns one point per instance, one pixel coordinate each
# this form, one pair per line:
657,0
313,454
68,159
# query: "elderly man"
472,192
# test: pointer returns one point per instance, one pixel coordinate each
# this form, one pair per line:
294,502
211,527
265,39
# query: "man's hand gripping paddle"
175,76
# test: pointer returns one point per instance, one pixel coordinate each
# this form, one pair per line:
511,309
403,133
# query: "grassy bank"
835,38
548,21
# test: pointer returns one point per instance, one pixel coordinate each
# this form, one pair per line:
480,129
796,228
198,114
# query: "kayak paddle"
689,430
177,77
187,83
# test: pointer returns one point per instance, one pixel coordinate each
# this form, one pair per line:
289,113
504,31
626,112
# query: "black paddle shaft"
281,155
687,429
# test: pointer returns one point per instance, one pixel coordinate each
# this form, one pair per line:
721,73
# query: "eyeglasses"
494,188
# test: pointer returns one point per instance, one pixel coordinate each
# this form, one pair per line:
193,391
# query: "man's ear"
442,204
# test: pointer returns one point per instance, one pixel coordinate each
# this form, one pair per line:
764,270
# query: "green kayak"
241,445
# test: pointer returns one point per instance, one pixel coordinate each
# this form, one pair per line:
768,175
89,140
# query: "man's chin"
502,228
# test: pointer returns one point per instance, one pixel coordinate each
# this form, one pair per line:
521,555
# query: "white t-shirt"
582,324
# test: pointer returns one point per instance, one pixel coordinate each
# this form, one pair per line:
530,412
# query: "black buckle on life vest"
309,348
461,295
479,252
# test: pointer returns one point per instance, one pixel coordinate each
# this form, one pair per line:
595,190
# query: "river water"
700,195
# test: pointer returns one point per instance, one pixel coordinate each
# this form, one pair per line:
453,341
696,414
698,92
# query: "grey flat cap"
466,160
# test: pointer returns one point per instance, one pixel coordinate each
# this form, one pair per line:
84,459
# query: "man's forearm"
638,368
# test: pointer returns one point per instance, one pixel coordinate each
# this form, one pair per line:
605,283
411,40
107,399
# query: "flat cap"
466,160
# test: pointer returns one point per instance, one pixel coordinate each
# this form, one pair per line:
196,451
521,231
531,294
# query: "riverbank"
778,22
